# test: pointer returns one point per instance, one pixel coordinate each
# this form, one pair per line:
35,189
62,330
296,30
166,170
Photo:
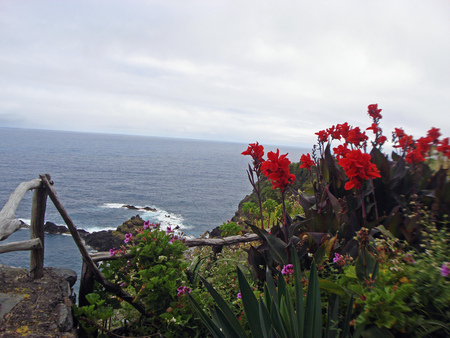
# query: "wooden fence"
43,188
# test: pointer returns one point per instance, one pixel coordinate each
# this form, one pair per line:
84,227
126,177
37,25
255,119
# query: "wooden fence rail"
43,188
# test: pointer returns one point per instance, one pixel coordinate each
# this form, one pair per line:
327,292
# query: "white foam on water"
149,213
112,205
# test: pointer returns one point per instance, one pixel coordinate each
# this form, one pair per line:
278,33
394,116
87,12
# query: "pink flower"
182,290
239,295
337,258
174,238
112,251
128,238
445,269
288,269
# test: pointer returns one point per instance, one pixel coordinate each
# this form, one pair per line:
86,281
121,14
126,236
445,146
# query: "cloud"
235,71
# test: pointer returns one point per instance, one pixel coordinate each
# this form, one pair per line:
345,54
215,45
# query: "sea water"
195,185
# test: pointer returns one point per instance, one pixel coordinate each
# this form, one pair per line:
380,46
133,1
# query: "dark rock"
103,240
216,232
68,274
132,207
52,228
149,209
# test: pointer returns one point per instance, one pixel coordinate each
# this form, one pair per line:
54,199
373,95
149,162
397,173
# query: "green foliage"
97,311
230,228
152,276
276,313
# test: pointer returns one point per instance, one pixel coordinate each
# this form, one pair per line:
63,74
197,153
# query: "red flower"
343,130
405,142
423,144
357,167
340,151
398,133
256,151
381,140
434,134
374,112
276,169
374,127
444,147
356,137
306,162
322,136
414,156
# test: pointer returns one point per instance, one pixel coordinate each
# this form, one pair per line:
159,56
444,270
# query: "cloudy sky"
269,71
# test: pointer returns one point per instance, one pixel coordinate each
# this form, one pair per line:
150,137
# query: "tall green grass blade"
228,313
286,316
298,291
213,328
267,298
225,325
251,306
332,317
277,322
287,313
264,317
348,317
271,287
313,309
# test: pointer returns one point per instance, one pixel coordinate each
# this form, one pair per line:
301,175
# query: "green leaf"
223,306
325,284
313,309
366,266
264,317
212,327
277,247
332,317
298,291
92,298
251,306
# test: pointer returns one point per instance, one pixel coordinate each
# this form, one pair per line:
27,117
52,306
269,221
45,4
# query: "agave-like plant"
277,313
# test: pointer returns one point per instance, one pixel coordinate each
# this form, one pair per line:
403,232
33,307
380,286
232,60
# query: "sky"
274,72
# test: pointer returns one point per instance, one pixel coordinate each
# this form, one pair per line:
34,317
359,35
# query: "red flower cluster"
358,167
256,151
276,169
417,151
350,135
444,147
306,162
374,112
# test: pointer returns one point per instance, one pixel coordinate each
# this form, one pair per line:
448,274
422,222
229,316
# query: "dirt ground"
41,308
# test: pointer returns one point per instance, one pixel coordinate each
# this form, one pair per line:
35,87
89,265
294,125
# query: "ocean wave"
152,214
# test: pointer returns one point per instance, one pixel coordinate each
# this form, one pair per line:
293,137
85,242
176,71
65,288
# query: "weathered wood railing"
43,188
9,224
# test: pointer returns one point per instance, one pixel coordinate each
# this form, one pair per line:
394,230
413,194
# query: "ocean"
196,185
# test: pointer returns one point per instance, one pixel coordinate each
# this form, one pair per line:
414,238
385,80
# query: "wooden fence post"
86,284
38,207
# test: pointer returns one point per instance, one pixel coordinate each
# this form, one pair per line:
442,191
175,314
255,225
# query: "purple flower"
445,269
288,269
182,290
123,284
169,230
146,224
128,238
337,258
112,251
173,239
239,296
